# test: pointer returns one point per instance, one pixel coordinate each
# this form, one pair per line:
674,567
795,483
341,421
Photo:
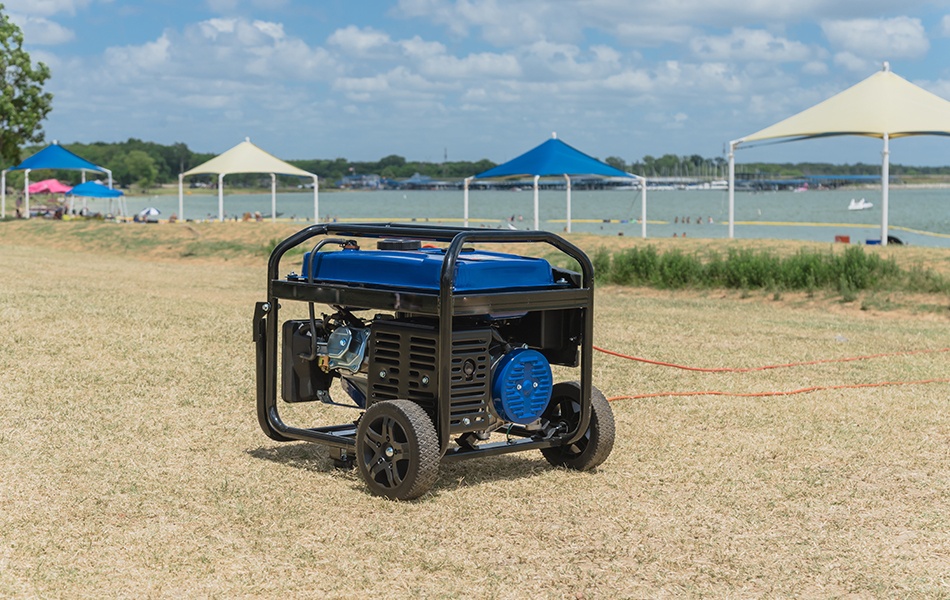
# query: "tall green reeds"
846,272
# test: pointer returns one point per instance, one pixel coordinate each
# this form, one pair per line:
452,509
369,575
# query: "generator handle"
431,233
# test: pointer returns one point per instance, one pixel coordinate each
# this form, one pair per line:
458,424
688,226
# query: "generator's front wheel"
397,449
597,442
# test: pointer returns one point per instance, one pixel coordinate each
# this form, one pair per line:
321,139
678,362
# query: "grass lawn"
132,464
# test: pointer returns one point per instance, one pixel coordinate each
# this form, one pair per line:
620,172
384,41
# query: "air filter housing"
521,386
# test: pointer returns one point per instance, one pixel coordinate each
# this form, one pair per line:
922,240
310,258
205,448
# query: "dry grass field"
132,464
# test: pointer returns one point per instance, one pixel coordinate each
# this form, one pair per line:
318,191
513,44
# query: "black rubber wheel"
595,446
397,449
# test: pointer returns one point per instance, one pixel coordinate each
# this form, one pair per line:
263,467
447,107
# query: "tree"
23,103
393,160
141,167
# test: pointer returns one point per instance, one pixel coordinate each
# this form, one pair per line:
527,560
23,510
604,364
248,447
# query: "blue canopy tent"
95,189
555,158
53,156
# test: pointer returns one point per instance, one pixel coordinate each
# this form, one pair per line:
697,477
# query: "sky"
431,80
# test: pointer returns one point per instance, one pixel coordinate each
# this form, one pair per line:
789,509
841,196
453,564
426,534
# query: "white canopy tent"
247,158
884,106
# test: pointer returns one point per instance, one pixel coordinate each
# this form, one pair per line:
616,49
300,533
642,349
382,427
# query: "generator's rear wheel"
597,442
397,449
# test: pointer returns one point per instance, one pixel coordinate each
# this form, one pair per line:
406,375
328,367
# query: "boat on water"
861,204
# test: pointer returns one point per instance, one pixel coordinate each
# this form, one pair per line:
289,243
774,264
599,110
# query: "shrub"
601,261
678,270
846,273
748,269
635,266
805,271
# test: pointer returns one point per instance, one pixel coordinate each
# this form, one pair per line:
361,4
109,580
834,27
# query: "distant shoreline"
173,191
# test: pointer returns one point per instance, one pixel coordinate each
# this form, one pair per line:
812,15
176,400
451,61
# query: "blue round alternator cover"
521,386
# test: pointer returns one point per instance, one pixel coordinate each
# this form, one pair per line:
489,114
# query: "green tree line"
671,165
148,164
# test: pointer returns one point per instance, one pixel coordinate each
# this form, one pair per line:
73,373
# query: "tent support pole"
273,198
885,180
181,196
537,223
568,179
643,207
221,197
316,199
26,193
465,183
3,195
732,188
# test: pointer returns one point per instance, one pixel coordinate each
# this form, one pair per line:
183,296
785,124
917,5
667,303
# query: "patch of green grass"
222,249
846,273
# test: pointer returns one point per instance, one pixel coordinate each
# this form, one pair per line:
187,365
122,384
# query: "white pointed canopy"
884,106
247,158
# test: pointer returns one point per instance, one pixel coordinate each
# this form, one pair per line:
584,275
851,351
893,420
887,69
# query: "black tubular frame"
445,305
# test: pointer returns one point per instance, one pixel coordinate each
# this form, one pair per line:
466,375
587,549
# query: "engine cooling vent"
521,386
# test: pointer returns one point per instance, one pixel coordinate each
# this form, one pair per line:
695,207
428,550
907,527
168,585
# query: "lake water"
916,216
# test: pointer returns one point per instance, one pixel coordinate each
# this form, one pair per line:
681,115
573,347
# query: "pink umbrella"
49,186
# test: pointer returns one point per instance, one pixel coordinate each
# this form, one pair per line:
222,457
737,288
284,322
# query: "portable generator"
445,349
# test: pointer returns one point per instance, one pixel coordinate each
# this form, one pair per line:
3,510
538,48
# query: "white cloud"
275,31
637,82
152,56
482,97
207,101
749,45
639,33
437,11
234,48
815,67
213,27
45,8
900,37
222,6
945,26
638,24
49,59
270,4
513,66
41,31
853,63
500,22
289,59
606,55
481,65
417,48
359,42
549,61
396,84
940,87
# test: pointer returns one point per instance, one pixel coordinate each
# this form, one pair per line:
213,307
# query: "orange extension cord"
767,367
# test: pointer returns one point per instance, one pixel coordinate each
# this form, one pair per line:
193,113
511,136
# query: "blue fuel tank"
476,270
